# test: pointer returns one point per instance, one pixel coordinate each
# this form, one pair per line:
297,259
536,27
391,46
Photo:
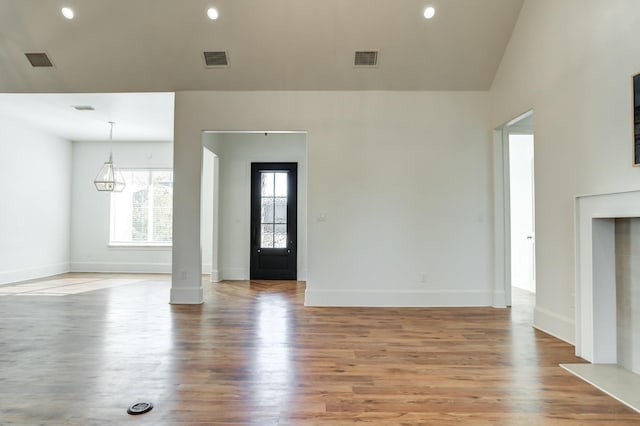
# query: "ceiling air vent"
83,107
366,58
216,59
39,60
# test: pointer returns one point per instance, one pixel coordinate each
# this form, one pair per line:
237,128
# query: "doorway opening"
227,238
517,144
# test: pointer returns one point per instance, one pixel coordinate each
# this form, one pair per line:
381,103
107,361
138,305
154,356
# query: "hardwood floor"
254,355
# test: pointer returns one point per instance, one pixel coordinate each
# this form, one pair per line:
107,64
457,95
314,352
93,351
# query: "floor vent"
39,60
216,59
366,58
140,408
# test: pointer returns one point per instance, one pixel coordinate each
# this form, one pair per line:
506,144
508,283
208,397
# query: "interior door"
522,211
274,188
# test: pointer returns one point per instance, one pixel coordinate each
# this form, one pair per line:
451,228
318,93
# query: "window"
273,214
142,213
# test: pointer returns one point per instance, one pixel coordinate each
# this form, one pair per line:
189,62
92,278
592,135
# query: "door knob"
529,237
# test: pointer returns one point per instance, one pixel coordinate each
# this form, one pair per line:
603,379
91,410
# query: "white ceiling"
157,45
120,46
137,116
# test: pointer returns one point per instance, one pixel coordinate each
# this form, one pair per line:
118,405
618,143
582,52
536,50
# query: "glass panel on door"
273,217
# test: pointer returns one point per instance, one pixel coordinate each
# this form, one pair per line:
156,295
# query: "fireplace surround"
596,305
596,333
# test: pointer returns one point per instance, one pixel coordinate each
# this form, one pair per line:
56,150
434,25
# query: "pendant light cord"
111,142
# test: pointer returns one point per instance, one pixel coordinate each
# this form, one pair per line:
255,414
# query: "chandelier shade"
109,178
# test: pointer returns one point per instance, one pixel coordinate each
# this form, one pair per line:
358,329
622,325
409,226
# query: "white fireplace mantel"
596,332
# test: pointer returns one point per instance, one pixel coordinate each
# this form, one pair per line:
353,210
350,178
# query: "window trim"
137,245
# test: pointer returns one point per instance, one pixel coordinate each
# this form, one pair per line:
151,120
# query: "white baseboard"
499,299
398,298
33,272
241,274
214,277
151,268
235,274
556,325
186,296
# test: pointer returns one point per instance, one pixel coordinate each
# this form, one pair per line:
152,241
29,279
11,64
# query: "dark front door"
274,213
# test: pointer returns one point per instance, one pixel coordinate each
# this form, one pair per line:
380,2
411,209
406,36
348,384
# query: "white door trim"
502,209
502,225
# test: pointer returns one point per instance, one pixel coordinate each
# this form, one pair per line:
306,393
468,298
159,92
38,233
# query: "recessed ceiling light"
67,12
429,12
212,13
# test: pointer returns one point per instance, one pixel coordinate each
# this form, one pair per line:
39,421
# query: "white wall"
208,209
35,177
571,61
628,292
402,178
90,251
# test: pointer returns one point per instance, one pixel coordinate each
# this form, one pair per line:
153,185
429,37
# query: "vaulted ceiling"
157,45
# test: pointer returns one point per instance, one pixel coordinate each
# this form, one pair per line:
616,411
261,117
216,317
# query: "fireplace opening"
627,258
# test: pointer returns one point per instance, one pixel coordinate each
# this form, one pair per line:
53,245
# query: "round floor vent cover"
140,408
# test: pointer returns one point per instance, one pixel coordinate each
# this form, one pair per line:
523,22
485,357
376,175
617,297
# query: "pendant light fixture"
109,177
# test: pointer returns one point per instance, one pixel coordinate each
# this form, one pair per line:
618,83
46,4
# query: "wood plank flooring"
254,355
